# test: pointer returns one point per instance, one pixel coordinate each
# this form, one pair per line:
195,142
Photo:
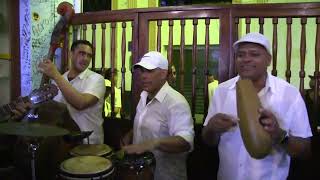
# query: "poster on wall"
43,19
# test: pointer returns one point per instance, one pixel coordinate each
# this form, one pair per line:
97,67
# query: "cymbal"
31,129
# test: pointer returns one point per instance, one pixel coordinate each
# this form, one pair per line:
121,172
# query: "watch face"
285,139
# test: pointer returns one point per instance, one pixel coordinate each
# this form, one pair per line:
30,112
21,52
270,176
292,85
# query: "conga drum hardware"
76,137
86,167
134,167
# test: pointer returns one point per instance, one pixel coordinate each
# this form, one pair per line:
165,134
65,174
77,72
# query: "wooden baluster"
206,71
123,62
248,22
169,56
134,57
134,54
302,72
84,32
274,46
75,31
103,48
182,64
236,36
261,23
112,64
194,68
159,24
236,27
316,73
93,62
288,49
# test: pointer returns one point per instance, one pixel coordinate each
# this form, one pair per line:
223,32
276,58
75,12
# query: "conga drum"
136,167
92,150
85,168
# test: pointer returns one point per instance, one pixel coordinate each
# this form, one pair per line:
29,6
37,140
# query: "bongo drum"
91,150
86,167
136,167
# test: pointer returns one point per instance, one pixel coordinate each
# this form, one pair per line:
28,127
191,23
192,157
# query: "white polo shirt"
89,119
286,103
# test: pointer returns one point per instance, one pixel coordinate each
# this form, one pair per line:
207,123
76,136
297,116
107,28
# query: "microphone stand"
33,148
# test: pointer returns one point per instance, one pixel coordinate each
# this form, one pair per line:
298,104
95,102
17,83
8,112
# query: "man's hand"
126,139
270,124
217,125
49,69
20,110
141,148
221,123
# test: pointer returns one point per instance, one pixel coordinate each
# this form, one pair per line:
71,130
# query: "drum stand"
33,148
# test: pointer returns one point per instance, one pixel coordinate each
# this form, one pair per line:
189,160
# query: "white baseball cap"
153,60
254,37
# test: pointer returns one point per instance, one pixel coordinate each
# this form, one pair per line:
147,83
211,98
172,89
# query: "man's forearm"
209,136
78,100
173,144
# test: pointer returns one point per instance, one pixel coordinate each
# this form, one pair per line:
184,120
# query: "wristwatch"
285,138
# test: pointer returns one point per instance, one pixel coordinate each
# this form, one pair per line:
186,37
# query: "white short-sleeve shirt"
167,114
287,105
89,119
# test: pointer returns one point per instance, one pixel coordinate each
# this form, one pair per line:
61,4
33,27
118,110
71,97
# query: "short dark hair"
77,42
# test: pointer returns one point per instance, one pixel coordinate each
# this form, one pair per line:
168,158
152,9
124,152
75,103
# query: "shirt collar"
159,96
162,92
270,85
233,85
82,75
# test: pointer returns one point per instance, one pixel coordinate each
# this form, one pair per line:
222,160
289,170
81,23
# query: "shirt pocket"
150,126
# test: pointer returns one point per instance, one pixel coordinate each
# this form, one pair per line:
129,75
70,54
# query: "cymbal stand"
33,146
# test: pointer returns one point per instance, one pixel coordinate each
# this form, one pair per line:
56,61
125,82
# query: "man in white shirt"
283,115
81,89
163,122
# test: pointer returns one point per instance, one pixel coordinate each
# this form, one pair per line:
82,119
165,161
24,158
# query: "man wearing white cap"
283,116
163,122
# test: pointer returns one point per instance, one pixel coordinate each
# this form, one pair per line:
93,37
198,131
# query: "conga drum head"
86,167
91,150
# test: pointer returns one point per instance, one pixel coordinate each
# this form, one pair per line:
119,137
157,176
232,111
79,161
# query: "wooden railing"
264,18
